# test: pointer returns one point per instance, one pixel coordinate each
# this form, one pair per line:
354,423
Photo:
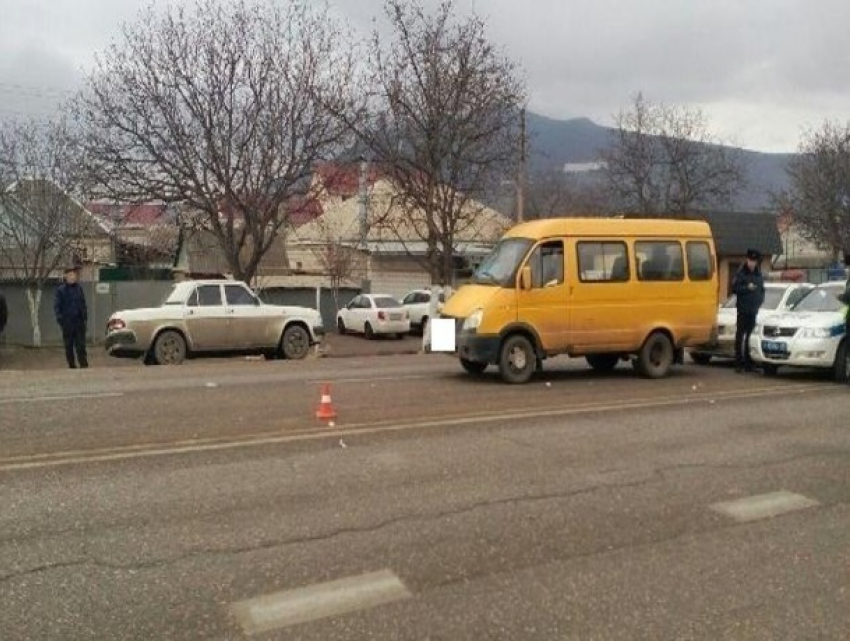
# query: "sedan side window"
239,296
193,299
209,295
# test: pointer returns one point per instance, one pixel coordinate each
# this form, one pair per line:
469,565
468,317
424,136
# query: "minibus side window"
603,262
700,265
547,264
660,260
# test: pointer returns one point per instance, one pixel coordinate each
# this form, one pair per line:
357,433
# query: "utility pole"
520,187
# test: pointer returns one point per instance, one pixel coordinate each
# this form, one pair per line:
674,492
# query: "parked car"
211,316
373,314
779,297
811,335
418,304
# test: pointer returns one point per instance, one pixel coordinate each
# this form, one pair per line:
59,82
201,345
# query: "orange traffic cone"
326,409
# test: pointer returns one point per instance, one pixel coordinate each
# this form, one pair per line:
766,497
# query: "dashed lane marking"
291,607
764,506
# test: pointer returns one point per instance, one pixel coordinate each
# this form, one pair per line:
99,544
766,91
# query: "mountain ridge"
555,143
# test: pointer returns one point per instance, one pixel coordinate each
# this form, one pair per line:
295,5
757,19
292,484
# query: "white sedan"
374,314
418,305
812,335
778,297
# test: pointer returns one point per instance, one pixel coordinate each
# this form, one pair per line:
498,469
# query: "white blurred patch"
442,335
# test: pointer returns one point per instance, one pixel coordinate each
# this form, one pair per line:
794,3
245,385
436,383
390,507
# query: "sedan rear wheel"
169,348
370,333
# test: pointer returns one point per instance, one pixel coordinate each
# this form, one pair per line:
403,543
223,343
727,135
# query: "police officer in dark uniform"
748,287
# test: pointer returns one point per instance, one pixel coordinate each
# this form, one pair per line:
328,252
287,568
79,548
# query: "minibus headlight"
473,320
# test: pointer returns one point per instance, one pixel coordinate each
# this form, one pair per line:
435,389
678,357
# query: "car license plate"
774,347
396,317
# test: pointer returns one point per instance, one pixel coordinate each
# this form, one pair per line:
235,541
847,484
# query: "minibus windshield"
499,268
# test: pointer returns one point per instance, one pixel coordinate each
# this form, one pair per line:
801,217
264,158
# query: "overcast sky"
762,70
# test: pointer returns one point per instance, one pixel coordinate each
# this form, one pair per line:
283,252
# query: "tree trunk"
447,266
34,301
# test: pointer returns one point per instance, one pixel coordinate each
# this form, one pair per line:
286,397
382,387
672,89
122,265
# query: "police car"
811,335
779,297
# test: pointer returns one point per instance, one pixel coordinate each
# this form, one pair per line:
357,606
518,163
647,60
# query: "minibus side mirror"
525,278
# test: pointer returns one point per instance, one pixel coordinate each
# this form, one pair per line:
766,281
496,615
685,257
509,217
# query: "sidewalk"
333,346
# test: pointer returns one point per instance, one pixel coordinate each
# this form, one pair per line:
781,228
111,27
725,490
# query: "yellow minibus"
606,289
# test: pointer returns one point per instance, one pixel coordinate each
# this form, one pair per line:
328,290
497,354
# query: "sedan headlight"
473,321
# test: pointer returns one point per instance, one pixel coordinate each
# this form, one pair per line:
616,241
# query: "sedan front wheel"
296,342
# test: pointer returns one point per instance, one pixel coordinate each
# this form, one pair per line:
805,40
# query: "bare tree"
41,225
444,126
819,194
226,109
339,258
664,160
554,193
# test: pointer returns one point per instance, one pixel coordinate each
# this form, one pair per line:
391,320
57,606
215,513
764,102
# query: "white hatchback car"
812,335
418,303
373,314
778,297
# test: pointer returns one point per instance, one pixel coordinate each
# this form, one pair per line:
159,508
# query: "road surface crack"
653,476
326,536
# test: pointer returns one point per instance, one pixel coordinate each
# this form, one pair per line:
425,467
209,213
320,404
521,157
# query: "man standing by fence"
72,316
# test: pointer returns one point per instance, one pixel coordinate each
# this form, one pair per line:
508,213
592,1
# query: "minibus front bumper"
479,348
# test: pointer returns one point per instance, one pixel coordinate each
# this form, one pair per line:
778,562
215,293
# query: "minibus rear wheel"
517,359
656,356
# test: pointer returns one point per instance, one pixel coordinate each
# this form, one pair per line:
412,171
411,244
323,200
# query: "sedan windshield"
386,302
500,266
821,299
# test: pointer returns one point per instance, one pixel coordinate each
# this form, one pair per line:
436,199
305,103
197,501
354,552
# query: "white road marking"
370,379
763,506
291,607
59,397
196,446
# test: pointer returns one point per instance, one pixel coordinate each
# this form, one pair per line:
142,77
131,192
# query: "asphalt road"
160,503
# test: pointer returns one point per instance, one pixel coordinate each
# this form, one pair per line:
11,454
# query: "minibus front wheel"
517,359
656,356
